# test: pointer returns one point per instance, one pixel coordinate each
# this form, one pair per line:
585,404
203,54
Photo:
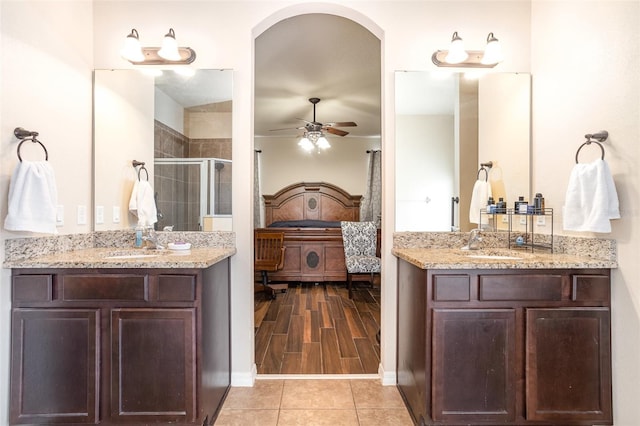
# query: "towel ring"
486,174
589,142
26,135
136,163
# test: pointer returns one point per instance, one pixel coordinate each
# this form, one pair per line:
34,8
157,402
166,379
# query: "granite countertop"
126,258
496,258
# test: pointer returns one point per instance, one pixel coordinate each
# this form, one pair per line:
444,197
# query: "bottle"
139,236
491,206
538,204
517,204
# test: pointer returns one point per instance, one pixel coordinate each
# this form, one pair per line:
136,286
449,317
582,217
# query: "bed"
309,215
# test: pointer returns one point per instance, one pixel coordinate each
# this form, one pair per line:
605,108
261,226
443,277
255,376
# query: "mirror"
179,125
447,125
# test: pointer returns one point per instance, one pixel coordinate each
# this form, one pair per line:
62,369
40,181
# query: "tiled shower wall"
180,185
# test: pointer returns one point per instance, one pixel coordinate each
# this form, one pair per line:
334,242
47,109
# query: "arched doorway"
330,57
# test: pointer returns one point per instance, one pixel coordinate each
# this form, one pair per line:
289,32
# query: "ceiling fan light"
132,51
456,52
492,52
169,49
323,143
305,144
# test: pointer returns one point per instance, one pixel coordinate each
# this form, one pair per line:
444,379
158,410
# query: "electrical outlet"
505,219
82,215
99,215
116,214
523,220
541,221
60,215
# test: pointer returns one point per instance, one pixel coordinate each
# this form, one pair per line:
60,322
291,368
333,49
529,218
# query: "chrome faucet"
150,238
474,239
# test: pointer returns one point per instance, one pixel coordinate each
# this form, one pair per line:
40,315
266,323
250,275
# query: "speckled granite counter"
442,250
451,258
130,258
113,249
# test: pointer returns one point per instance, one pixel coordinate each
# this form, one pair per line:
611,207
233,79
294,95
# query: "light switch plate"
60,215
99,215
116,214
82,215
541,221
523,221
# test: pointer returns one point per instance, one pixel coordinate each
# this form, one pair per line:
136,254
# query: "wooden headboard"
311,201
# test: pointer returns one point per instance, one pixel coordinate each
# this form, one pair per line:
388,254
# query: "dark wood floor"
316,329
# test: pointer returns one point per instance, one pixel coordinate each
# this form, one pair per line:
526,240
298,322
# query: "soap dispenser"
538,204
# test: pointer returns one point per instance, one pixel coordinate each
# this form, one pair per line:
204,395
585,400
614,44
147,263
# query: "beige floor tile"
318,418
371,394
233,417
384,417
265,394
317,394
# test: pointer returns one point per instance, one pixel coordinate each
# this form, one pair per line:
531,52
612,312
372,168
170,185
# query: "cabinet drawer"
590,288
176,288
105,287
521,287
451,287
32,288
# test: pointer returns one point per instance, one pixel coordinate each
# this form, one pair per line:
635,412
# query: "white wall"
596,79
586,68
284,163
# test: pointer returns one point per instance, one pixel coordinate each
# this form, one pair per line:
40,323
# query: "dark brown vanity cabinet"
505,346
120,347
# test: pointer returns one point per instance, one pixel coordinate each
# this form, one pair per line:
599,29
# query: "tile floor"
310,402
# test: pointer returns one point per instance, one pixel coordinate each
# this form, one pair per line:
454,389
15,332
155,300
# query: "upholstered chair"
359,241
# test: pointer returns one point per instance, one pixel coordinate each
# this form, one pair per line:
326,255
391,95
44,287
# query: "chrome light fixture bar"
456,56
168,54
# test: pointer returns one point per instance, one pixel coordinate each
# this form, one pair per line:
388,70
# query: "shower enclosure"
192,194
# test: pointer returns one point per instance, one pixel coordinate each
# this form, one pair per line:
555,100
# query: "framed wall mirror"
447,125
179,125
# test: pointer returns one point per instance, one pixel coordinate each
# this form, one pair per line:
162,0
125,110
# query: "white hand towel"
479,196
591,199
33,198
143,204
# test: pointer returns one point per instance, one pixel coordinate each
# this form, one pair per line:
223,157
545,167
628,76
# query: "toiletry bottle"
139,236
501,206
516,205
538,204
491,205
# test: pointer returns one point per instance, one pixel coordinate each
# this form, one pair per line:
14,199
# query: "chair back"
359,238
269,251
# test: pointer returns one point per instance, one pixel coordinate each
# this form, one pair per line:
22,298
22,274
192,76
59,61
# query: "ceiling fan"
313,127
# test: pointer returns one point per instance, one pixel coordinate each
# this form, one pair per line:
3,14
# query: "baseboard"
388,378
244,379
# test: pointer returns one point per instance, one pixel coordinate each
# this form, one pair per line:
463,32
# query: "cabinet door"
473,365
568,364
153,365
54,366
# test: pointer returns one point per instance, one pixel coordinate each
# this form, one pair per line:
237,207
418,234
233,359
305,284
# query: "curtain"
258,202
371,205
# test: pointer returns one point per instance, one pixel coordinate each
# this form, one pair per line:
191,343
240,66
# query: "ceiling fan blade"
342,124
286,128
335,131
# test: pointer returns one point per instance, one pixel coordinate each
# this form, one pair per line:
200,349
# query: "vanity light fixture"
457,56
168,54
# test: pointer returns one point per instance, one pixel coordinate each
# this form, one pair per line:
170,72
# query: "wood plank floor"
317,329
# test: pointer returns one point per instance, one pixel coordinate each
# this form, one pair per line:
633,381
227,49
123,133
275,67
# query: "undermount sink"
134,254
493,256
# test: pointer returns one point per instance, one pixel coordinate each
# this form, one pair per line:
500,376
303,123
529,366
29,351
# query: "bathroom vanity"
124,340
521,339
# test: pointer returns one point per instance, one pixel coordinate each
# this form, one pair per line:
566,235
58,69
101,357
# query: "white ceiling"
323,56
